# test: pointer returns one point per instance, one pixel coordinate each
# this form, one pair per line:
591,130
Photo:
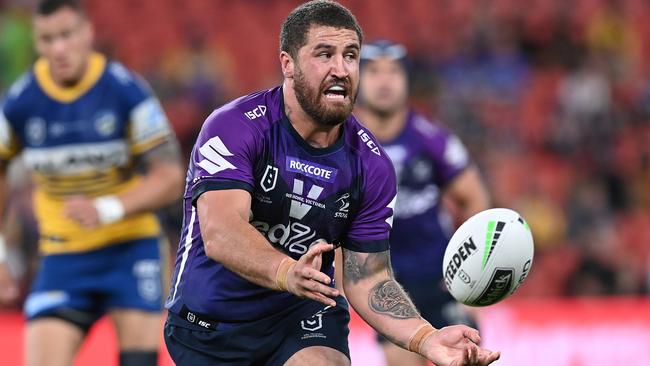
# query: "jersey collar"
95,69
314,151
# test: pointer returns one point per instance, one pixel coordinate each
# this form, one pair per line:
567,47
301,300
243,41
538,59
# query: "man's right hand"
305,279
457,345
8,289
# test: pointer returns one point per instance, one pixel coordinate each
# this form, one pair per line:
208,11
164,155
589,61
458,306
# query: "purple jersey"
426,158
343,193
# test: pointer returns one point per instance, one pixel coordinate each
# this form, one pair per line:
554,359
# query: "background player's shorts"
269,341
435,304
81,287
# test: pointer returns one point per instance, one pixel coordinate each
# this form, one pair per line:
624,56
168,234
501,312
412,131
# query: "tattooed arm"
373,292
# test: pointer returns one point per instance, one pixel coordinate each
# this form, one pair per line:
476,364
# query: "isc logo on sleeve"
369,142
259,111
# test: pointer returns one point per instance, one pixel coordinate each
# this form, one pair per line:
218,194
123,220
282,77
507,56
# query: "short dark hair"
47,7
293,34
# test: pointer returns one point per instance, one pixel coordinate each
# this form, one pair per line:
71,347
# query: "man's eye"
324,55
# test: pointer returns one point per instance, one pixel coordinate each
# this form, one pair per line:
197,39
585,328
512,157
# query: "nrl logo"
313,323
269,179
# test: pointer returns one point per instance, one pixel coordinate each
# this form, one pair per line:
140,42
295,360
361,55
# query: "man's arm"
468,193
231,240
8,289
373,292
161,184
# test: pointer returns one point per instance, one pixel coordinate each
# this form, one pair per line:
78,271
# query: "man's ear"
287,62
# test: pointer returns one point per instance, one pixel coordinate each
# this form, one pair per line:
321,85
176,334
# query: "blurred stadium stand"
551,96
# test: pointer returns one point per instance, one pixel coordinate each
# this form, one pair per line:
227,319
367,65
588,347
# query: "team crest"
269,179
344,202
36,130
106,124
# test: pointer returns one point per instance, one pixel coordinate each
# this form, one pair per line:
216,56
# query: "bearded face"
328,102
326,74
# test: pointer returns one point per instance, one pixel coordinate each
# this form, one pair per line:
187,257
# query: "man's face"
384,85
326,74
65,39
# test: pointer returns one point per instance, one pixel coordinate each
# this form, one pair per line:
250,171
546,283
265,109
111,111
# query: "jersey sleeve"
224,155
370,229
447,153
148,124
449,156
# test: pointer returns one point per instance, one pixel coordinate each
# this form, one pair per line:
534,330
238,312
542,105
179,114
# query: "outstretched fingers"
309,281
314,251
487,357
472,335
316,275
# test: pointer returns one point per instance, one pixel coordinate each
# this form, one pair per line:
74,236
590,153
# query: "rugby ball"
488,257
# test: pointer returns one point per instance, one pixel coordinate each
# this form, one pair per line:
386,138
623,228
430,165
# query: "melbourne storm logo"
344,202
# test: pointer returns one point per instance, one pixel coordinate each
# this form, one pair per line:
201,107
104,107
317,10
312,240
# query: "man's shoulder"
117,72
425,127
442,143
258,110
364,144
21,92
126,81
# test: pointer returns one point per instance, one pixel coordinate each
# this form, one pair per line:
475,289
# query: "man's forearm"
162,185
243,250
4,194
378,298
232,241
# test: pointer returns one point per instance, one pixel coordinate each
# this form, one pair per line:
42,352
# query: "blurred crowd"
552,97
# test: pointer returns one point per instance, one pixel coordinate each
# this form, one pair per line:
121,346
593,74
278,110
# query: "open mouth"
336,92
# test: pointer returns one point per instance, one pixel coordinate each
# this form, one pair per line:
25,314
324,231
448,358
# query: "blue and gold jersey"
82,140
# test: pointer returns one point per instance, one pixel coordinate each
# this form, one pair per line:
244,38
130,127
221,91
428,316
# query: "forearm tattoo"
388,297
358,266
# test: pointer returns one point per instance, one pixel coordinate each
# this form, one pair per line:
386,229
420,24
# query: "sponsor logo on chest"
311,169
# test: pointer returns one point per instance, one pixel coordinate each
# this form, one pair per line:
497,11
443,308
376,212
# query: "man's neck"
70,83
385,126
315,134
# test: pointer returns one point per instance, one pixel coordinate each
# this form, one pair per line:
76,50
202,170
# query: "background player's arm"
468,193
161,184
373,292
231,240
8,287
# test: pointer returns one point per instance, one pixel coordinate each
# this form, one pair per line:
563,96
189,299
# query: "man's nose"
59,46
339,67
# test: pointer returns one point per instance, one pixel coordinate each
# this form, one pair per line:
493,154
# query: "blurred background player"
103,157
431,165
